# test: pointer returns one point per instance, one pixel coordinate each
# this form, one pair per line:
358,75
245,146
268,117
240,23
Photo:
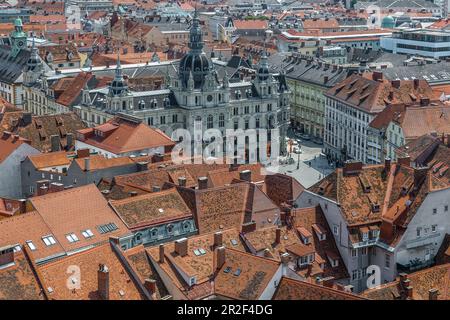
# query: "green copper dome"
388,22
18,22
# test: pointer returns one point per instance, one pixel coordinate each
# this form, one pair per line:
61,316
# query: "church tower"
119,98
18,38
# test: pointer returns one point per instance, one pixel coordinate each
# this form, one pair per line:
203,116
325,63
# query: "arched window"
210,122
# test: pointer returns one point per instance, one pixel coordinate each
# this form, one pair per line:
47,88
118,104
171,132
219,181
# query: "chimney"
83,153
352,167
142,166
182,181
416,83
150,285
395,83
409,291
55,143
158,157
156,189
26,118
377,76
202,183
56,187
87,164
249,227
103,281
424,101
387,165
6,255
285,258
277,235
219,260
433,294
42,187
181,246
245,175
69,139
218,239
161,253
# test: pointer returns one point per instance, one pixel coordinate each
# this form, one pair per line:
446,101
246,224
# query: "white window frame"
49,240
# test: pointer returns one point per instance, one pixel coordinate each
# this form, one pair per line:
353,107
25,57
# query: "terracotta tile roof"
415,148
49,160
28,227
126,137
370,95
140,263
59,51
202,266
320,24
121,285
86,208
311,219
250,24
152,209
437,277
112,191
42,128
443,254
222,207
255,275
225,176
99,162
18,281
68,97
282,188
290,289
265,238
439,162
8,144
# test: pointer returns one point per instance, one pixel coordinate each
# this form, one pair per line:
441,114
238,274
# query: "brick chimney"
83,153
277,235
42,187
219,257
248,227
56,187
55,142
387,165
142,166
181,246
395,84
161,253
416,83
433,294
377,76
150,285
352,167
69,140
182,181
409,292
245,175
202,183
103,281
218,239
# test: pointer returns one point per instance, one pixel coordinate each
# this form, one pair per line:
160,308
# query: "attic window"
87,233
161,210
105,228
31,245
49,240
227,270
72,238
237,272
234,242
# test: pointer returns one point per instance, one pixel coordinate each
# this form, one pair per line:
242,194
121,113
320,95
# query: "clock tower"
18,38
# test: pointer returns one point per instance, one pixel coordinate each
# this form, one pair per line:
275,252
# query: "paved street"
313,164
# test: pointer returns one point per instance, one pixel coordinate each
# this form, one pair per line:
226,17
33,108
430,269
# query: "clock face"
20,43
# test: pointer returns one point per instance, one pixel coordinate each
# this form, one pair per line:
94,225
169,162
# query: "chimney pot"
220,257
150,285
161,253
202,183
409,291
245,175
182,181
277,235
181,246
87,164
387,165
433,294
218,239
103,281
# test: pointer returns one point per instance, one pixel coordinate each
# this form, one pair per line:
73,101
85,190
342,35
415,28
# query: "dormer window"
305,235
49,240
320,231
31,245
154,103
238,94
